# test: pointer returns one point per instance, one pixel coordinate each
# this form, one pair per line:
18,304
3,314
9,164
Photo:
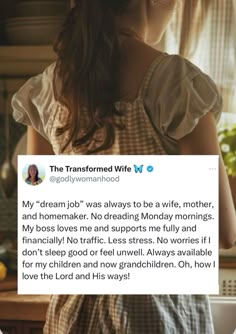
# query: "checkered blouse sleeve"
32,104
179,95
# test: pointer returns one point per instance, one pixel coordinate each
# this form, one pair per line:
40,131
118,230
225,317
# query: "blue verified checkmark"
150,169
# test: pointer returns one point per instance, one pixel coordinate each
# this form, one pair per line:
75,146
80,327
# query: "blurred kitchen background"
203,31
27,30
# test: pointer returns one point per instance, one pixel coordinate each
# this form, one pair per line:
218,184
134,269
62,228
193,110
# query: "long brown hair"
89,55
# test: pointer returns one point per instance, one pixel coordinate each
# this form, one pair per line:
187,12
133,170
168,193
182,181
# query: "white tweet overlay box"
118,224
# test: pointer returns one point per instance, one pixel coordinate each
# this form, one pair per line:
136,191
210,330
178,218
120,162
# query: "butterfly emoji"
138,169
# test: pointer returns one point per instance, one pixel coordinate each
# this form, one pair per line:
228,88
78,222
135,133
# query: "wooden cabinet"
22,314
8,327
21,327
32,327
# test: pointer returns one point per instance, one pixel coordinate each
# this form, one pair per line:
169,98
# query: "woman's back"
162,98
136,59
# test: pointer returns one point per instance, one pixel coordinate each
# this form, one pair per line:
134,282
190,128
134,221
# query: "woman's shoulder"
39,181
179,94
174,72
32,104
174,66
36,85
146,61
146,54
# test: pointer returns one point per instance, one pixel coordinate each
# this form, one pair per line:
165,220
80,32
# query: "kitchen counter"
23,307
22,314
